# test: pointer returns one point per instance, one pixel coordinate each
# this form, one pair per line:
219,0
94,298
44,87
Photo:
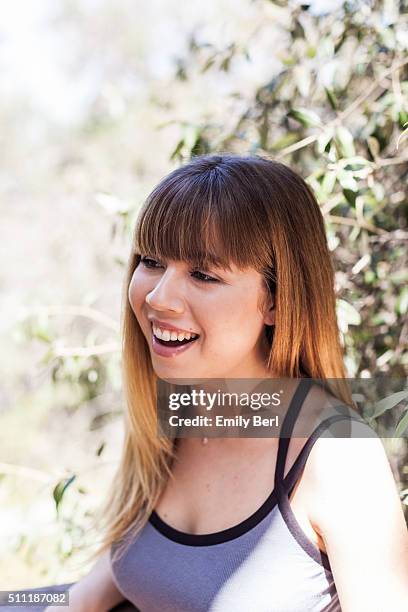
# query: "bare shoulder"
355,507
350,475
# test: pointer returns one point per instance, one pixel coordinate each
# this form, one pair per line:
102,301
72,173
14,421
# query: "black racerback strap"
287,427
291,416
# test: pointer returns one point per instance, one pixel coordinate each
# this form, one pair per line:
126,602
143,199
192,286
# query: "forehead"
202,227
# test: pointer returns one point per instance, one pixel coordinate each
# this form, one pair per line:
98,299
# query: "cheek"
234,321
136,294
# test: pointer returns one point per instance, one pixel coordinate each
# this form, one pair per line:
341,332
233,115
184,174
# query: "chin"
174,372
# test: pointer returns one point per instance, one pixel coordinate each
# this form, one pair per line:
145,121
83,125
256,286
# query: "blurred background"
101,98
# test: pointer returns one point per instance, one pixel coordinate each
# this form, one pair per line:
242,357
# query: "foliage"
336,111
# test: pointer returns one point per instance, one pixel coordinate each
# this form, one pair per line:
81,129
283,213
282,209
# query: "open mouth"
174,342
166,337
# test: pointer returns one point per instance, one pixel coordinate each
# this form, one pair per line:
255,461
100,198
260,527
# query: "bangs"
203,219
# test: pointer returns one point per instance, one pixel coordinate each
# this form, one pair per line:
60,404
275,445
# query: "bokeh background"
101,98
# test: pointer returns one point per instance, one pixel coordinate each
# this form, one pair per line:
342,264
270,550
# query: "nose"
167,294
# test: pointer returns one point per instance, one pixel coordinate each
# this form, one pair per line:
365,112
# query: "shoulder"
354,502
348,476
355,507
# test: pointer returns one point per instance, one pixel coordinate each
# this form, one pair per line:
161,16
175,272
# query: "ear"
269,317
269,314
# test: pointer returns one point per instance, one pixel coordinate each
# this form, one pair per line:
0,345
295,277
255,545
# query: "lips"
171,348
163,345
173,342
170,327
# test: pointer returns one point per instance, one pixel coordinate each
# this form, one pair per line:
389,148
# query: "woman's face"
221,308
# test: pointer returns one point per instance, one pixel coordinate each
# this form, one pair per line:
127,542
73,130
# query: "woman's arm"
358,513
95,592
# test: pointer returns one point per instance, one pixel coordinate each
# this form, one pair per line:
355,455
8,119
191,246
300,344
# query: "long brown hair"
252,212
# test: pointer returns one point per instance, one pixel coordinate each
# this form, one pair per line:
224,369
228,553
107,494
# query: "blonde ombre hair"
223,209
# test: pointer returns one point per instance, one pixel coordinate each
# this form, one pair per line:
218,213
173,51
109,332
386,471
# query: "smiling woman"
207,320
230,278
219,229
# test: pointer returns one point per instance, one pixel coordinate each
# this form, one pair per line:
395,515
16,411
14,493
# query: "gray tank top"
264,564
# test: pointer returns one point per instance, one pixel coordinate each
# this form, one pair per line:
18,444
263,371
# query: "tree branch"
344,114
348,221
87,351
79,311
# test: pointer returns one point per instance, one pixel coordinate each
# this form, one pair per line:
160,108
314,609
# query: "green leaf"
323,140
177,150
399,276
356,163
284,141
402,425
100,449
373,146
402,302
347,180
351,196
41,333
347,315
191,135
389,402
119,261
60,489
345,141
208,64
306,117
225,64
328,182
288,60
403,118
331,96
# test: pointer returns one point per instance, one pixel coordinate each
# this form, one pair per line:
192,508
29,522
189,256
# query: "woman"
230,260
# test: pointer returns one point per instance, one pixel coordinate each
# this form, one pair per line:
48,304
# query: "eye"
204,277
148,262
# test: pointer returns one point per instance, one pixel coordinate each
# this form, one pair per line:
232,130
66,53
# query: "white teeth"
166,335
